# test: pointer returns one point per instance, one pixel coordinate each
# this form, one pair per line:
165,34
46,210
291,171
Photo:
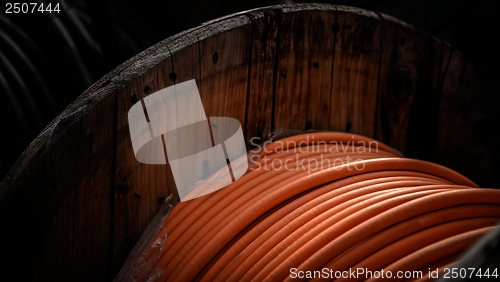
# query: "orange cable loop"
323,200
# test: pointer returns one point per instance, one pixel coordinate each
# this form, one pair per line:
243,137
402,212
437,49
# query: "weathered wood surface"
304,78
409,88
356,71
94,192
77,200
261,79
135,184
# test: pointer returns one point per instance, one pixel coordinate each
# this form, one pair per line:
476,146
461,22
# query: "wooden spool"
77,200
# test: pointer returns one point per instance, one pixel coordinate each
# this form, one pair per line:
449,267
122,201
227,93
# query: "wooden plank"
51,202
304,78
138,187
462,149
45,202
398,78
224,61
406,87
94,193
422,127
185,66
258,119
355,71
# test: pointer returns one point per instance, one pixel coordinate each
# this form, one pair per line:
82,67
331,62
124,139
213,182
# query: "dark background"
47,60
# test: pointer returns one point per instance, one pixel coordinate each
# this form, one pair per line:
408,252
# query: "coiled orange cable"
368,207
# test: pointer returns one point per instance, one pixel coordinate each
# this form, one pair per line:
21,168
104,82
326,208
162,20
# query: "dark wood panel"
406,76
224,61
422,125
92,219
58,198
355,71
262,75
304,78
458,143
138,186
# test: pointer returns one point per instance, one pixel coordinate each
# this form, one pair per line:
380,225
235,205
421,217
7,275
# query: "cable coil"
335,202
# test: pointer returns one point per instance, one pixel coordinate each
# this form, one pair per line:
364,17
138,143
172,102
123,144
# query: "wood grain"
40,217
461,149
404,77
304,68
94,193
224,61
355,71
137,186
262,75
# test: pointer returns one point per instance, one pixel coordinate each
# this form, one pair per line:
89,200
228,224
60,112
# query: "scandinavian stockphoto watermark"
171,124
334,155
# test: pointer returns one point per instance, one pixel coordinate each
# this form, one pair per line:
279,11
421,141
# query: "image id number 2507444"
31,8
